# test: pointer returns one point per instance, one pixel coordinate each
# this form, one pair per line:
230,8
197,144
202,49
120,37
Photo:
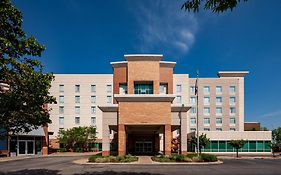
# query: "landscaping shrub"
208,157
101,159
185,158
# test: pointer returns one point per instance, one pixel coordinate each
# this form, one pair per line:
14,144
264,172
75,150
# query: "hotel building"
143,105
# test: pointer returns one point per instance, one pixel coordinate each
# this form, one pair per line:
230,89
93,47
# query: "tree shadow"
32,172
116,173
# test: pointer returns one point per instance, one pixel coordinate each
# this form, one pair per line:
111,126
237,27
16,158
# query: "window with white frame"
206,100
61,120
192,129
218,100
61,109
232,129
77,99
108,99
206,129
218,129
192,89
193,110
163,88
61,88
232,110
77,109
61,99
123,89
93,110
178,99
178,87
109,88
206,111
232,89
232,121
219,121
93,120
232,100
207,121
192,100
93,99
93,88
77,88
218,89
193,121
77,120
218,110
206,89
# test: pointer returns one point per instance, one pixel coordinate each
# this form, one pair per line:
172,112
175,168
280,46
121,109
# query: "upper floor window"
93,88
163,89
61,120
206,111
232,100
77,99
93,120
207,121
123,89
232,121
192,121
77,109
192,89
93,99
77,88
192,100
232,129
178,87
218,100
218,129
206,129
61,99
218,89
77,120
61,88
232,111
232,89
109,88
193,110
218,110
206,89
143,88
206,100
108,99
93,109
178,99
61,109
218,121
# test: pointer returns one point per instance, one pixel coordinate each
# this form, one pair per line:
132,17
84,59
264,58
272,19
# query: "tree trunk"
236,152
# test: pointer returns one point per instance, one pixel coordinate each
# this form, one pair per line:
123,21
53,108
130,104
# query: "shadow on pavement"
116,173
32,172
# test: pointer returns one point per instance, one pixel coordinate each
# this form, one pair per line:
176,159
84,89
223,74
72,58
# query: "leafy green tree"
22,106
237,144
276,140
203,141
77,138
217,6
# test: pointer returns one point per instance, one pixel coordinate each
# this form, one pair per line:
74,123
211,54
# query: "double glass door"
26,147
143,147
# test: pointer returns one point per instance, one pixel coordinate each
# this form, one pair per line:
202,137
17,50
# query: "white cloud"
272,114
165,27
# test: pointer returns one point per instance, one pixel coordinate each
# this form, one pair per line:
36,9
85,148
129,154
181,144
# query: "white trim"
143,55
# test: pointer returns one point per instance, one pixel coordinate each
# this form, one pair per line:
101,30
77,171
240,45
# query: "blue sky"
83,36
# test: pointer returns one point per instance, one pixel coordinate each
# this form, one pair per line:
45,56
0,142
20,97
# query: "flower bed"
185,158
115,159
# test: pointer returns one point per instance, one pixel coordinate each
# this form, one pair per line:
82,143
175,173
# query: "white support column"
105,140
183,133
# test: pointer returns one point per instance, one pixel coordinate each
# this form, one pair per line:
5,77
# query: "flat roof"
143,57
232,73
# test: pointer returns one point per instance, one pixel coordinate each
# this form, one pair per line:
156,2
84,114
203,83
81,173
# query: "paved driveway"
64,165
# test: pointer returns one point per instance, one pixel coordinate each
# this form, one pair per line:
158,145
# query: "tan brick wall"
144,113
143,71
166,76
119,76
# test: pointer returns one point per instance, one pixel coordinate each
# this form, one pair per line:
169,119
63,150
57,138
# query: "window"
61,120
206,111
93,120
232,100
143,88
218,100
178,87
77,99
192,89
61,99
192,100
77,88
193,121
61,88
206,89
218,89
207,121
178,99
93,109
232,111
218,129
77,109
93,99
93,88
108,99
232,129
206,129
206,100
232,89
193,110
61,109
108,88
163,89
123,89
192,129
218,121
77,120
232,121
218,110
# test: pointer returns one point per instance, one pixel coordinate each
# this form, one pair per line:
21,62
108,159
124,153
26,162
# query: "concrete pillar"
121,140
167,139
105,140
183,133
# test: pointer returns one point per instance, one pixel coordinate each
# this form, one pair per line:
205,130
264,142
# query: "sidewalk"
144,160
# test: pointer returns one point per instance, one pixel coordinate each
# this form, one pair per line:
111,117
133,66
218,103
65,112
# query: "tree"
77,138
276,140
23,105
237,144
217,6
203,141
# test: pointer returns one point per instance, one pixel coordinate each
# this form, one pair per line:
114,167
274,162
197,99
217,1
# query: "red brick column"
157,143
167,139
121,140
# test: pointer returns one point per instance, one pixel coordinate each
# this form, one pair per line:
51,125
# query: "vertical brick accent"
157,143
105,153
167,139
166,76
121,140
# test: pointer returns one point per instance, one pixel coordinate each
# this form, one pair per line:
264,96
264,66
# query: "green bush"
62,150
94,157
178,157
101,159
208,157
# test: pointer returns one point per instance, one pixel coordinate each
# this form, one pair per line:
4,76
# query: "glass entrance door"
26,147
22,147
143,147
30,147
